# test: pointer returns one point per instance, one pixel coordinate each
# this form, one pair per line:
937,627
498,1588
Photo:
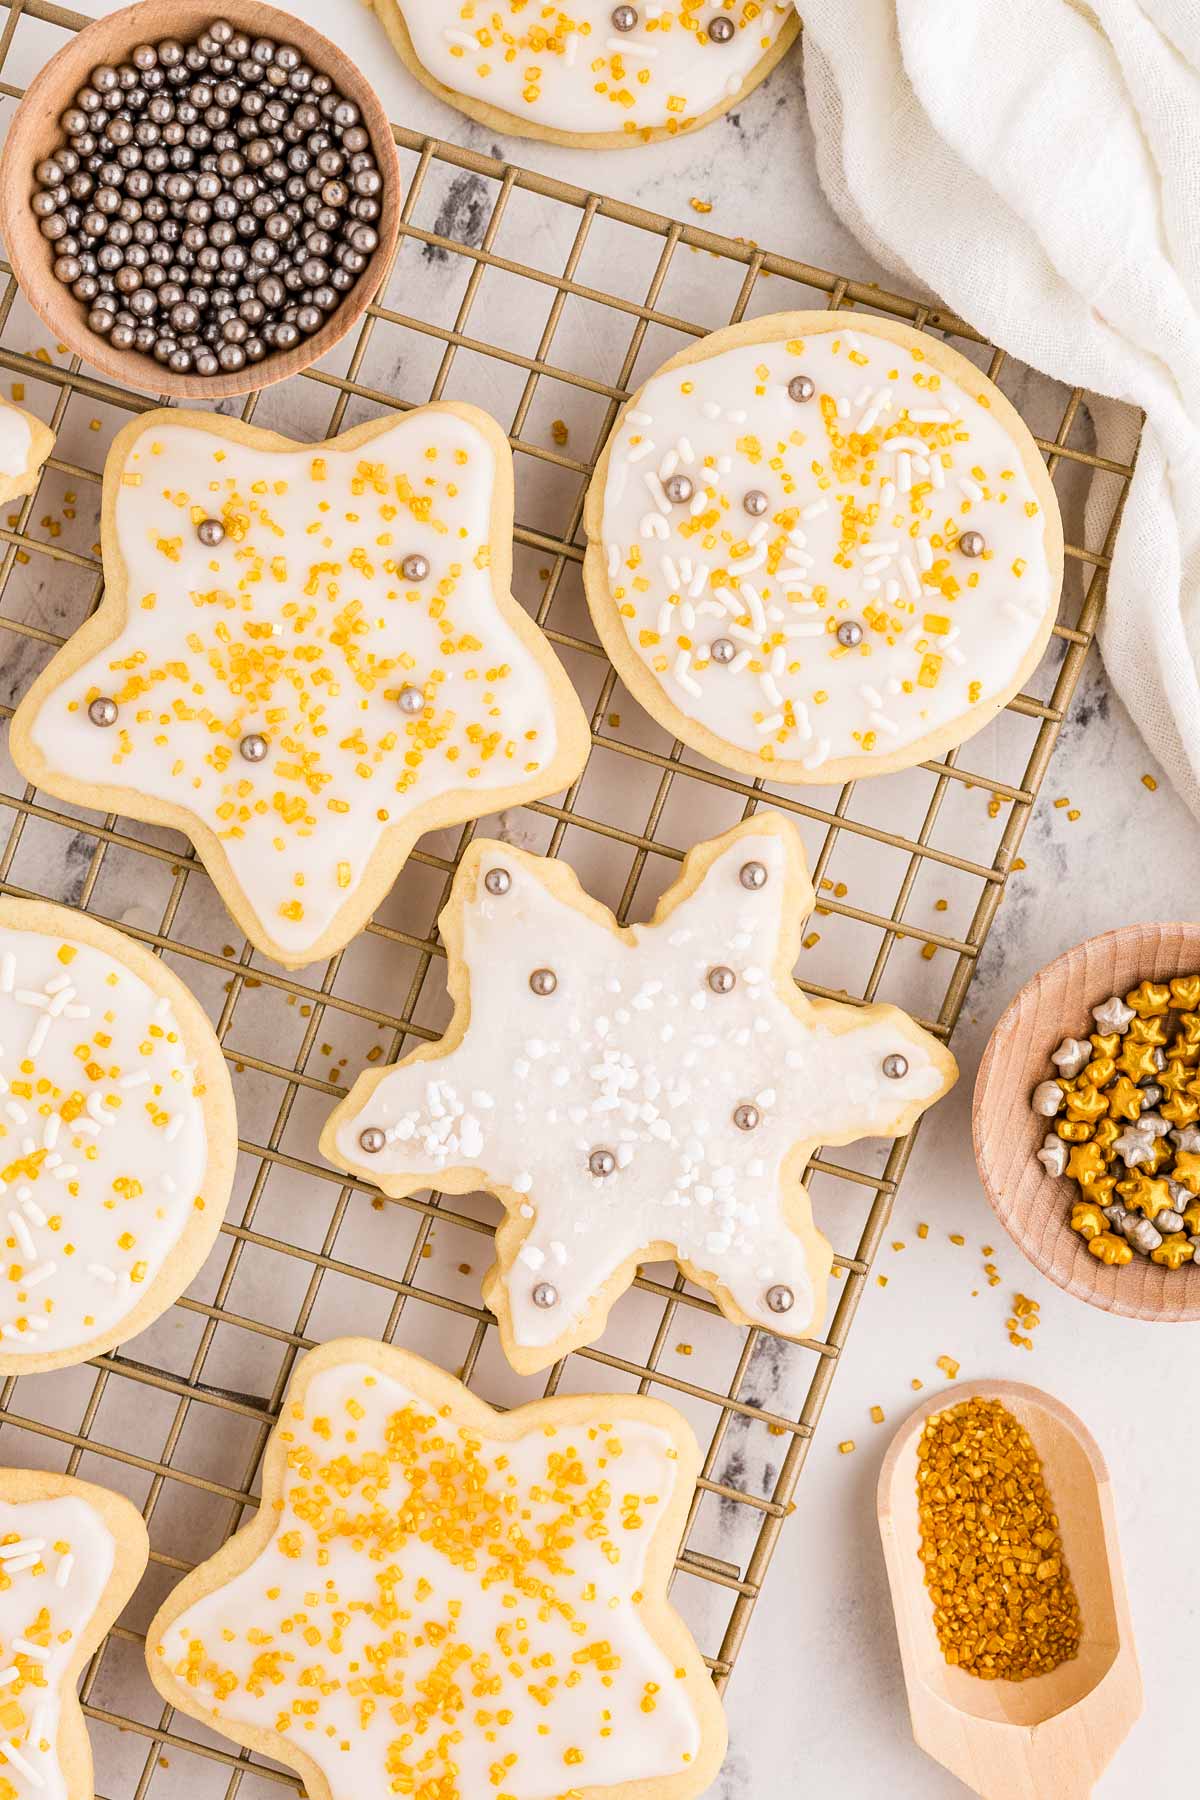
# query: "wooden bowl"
1048,1738
35,131
1033,1206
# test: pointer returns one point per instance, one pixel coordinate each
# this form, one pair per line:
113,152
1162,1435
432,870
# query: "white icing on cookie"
334,665
15,440
636,1058
443,1611
103,1140
858,499
56,1557
566,67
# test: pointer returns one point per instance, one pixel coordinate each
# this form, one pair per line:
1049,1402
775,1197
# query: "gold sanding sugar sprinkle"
1148,781
877,1415
1003,1604
846,1447
948,1366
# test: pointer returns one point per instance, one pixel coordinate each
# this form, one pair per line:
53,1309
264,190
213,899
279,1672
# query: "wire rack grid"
560,301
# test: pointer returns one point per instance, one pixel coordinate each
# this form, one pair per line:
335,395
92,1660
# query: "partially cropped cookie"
594,73
638,1093
307,655
117,1137
71,1555
822,546
446,1602
25,443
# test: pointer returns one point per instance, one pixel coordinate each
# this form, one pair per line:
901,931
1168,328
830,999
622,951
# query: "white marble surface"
816,1705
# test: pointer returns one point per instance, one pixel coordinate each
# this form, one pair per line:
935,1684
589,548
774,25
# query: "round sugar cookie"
822,546
117,1137
591,73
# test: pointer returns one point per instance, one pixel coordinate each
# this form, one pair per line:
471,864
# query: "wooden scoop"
1048,1738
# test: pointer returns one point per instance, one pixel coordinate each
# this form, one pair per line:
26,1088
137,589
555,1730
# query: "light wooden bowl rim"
1062,1255
34,129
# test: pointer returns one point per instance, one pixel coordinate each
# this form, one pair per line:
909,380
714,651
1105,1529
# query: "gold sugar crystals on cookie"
436,1599
70,1557
117,1137
591,72
636,1093
822,546
1125,1104
306,657
1004,1607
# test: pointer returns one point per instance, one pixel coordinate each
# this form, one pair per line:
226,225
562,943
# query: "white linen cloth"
1036,164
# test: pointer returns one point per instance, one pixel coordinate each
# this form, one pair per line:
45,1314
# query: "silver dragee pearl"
721,980
849,634
721,29
103,711
722,650
895,1067
679,489
753,875
415,568
601,1163
756,503
624,18
746,1116
253,747
497,881
780,1299
372,1140
802,387
211,532
543,982
545,1294
410,700
972,543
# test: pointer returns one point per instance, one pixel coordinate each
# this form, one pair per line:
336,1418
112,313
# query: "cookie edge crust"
41,443
790,772
73,1746
395,845
191,1248
433,1385
495,118
511,1233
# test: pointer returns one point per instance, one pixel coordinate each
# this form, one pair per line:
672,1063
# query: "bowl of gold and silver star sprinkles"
200,203
1087,1121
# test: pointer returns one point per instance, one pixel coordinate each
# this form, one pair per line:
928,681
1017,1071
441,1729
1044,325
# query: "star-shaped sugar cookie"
70,1556
436,1599
307,655
637,1093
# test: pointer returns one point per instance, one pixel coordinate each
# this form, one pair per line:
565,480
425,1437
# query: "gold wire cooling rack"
547,304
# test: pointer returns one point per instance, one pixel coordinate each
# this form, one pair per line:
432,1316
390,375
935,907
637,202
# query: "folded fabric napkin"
1036,164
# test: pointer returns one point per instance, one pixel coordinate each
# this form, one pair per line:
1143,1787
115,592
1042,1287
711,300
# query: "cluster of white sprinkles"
590,66
55,1558
103,1145
642,1088
823,547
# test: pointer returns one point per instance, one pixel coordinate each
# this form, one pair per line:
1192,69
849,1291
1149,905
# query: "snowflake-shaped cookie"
306,657
633,1094
437,1599
70,1556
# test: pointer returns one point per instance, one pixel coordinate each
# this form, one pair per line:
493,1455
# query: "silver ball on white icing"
372,1140
722,650
849,634
679,489
755,503
211,532
543,982
753,875
253,747
746,1116
497,881
895,1067
415,568
972,543
801,387
410,700
601,1163
103,711
780,1299
624,18
545,1294
721,979
721,29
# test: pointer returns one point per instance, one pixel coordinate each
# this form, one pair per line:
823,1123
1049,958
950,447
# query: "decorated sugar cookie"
822,546
25,443
117,1137
639,1093
590,72
70,1557
307,656
438,1599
